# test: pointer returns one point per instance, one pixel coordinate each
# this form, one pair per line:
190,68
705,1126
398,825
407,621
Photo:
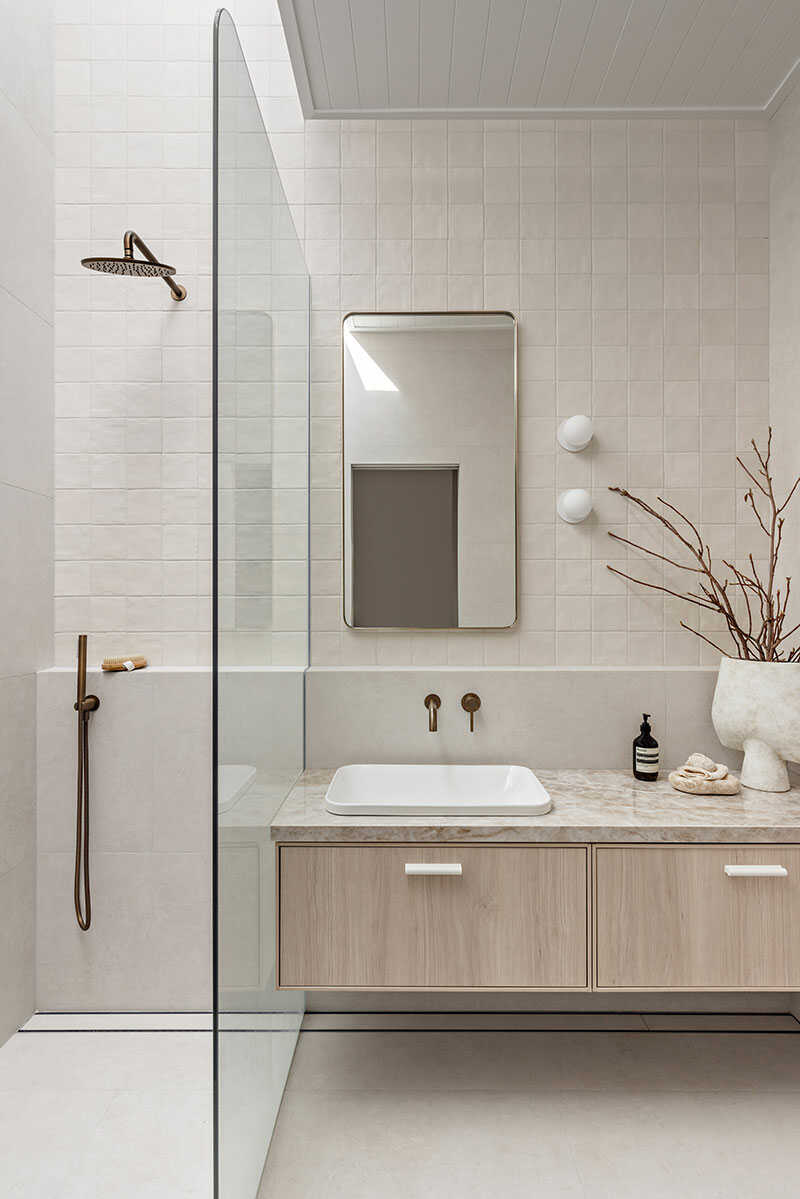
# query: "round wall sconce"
574,505
575,433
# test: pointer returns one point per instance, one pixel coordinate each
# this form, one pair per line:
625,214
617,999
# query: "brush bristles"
134,662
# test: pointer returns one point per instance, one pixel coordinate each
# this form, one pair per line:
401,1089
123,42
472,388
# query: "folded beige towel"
703,776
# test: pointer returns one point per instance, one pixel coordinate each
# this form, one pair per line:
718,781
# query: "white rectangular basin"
436,791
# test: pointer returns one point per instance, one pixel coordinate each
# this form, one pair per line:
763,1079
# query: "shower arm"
132,239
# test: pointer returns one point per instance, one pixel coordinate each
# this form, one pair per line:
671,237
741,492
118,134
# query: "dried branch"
757,632
697,633
658,587
789,496
654,553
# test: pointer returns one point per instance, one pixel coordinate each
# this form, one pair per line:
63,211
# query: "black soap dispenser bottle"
645,753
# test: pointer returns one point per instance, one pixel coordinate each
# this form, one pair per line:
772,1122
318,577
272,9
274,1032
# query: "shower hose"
83,905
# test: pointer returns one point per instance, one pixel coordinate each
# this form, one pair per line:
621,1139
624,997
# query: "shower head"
128,266
147,267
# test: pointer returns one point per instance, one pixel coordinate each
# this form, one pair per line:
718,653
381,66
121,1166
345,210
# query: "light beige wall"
133,368
634,254
26,450
784,157
545,718
149,947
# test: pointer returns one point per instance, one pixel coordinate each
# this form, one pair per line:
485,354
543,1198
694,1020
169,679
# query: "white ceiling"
541,57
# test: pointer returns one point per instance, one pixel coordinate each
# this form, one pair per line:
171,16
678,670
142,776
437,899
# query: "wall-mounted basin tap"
470,703
433,704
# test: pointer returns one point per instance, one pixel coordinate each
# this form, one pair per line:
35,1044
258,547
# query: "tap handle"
470,703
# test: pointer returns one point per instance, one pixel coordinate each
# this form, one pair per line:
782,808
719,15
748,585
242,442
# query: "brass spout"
433,703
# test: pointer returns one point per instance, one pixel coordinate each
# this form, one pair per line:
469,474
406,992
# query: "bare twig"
654,553
697,633
758,632
658,587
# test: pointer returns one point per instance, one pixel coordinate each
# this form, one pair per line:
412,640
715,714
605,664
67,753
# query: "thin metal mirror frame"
438,628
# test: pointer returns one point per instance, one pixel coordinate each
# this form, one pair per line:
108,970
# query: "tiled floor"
551,1114
611,1109
96,1114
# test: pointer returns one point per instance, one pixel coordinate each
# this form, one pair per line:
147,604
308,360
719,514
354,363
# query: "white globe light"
574,505
575,433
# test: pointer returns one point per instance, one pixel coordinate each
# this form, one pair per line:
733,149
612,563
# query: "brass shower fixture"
84,706
128,265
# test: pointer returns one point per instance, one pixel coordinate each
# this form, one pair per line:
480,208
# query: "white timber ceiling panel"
495,58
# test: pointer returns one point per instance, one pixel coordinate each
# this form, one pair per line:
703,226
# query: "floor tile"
148,1146
106,1061
545,1061
416,1145
89,1115
43,1134
580,1115
663,1146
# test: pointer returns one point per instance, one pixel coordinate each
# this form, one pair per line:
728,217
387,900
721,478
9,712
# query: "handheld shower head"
148,267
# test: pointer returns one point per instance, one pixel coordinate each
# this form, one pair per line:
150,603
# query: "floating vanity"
622,886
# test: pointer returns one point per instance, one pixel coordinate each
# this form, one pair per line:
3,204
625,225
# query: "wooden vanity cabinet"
353,916
693,917
537,917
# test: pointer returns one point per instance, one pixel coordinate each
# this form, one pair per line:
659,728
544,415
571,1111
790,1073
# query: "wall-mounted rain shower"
148,267
84,706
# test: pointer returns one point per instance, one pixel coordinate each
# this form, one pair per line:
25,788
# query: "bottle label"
647,759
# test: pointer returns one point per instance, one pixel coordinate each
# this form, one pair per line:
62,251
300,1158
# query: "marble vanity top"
588,805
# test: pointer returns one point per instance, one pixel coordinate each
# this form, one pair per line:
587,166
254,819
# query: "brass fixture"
433,704
84,706
128,265
470,703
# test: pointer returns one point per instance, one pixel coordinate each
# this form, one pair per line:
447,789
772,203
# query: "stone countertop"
588,805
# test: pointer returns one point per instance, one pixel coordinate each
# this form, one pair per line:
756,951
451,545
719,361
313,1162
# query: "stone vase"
756,709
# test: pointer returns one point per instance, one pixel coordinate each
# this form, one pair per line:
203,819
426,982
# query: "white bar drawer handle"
433,868
756,871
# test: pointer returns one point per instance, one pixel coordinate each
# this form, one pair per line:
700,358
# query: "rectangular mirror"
430,448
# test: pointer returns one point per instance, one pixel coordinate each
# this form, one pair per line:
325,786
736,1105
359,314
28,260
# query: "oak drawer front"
675,917
351,916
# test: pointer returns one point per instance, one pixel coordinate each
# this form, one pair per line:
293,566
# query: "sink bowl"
436,791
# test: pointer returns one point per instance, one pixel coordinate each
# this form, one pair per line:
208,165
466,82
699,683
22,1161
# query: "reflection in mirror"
429,426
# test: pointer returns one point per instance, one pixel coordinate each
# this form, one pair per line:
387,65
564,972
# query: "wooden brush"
135,662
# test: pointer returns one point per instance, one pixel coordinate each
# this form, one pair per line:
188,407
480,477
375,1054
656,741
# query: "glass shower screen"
260,533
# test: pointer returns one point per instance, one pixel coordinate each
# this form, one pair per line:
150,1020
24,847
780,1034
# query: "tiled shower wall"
133,368
634,254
